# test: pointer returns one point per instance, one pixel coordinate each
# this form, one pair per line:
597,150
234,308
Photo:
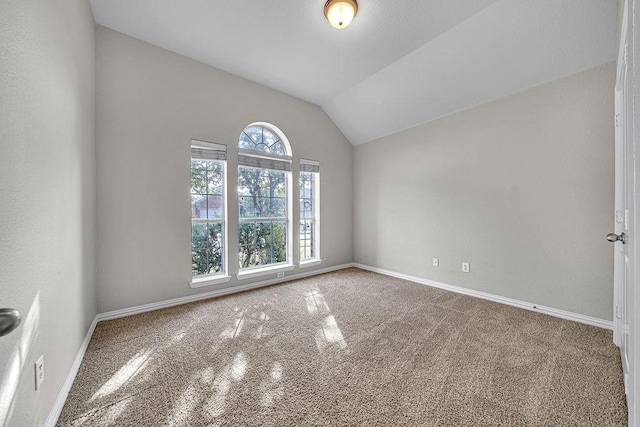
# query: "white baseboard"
593,321
54,414
220,292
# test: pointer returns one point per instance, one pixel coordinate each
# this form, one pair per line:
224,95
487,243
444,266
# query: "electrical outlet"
39,371
465,267
281,274
436,262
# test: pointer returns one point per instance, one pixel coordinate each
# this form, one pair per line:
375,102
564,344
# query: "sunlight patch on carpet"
234,329
271,389
316,303
134,366
329,333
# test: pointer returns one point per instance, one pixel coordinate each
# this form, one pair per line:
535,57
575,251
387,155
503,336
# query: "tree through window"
207,208
309,211
264,179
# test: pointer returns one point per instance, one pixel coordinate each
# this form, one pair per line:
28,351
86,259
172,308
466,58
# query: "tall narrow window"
309,209
208,213
264,187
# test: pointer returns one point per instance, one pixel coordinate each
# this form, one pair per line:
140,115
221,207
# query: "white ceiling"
399,63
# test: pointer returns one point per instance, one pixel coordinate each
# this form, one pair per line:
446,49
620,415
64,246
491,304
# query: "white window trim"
288,265
310,263
250,273
263,219
317,259
220,277
208,280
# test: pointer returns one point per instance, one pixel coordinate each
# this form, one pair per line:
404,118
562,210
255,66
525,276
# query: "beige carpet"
349,348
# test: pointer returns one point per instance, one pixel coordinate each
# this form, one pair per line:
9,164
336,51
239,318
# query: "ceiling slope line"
475,63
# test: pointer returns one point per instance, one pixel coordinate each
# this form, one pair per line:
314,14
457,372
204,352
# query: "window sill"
208,281
310,263
263,271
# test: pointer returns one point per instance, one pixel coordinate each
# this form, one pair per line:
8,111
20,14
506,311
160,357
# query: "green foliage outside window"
206,248
261,195
207,203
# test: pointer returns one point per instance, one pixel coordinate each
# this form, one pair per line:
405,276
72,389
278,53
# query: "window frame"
315,218
269,219
288,264
222,276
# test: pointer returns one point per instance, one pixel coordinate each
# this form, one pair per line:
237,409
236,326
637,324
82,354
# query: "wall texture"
47,196
150,104
522,188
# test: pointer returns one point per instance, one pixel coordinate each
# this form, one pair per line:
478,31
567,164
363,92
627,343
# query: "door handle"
613,237
9,320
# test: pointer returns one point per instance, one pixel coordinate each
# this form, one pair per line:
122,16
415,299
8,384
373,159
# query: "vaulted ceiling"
399,63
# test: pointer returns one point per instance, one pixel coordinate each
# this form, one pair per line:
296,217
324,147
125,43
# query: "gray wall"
619,24
151,103
522,188
47,196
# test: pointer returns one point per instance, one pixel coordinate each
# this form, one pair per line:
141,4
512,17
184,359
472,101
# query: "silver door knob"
9,320
613,237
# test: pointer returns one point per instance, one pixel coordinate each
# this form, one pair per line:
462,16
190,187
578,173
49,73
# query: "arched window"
257,137
264,197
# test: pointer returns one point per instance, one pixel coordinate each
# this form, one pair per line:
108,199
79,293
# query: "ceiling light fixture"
340,13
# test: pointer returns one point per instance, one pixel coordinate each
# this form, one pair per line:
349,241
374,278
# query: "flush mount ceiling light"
340,13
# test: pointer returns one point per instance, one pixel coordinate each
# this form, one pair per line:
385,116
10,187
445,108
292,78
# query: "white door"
623,237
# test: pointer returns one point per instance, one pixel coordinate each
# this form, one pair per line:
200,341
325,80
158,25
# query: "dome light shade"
340,13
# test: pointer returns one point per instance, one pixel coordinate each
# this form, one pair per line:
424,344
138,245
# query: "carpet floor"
348,348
